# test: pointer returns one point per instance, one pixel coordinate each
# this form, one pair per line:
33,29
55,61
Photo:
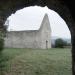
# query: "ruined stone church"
35,39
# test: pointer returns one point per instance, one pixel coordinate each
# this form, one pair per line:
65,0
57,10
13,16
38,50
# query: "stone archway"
63,7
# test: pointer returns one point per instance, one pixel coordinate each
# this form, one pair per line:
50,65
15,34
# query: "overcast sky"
30,18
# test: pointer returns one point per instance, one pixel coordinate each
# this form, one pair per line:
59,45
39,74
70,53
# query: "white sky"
31,17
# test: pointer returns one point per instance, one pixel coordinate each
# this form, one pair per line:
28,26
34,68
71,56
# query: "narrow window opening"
46,44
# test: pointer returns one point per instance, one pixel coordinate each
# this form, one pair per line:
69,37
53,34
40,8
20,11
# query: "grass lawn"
38,62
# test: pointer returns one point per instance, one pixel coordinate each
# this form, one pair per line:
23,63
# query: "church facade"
35,39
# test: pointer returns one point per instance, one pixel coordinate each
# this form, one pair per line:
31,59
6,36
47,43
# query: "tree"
1,41
60,43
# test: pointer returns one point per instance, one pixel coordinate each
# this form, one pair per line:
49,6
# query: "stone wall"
40,38
46,33
23,39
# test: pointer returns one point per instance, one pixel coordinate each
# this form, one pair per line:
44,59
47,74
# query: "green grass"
38,62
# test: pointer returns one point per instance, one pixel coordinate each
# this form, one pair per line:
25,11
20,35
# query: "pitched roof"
32,27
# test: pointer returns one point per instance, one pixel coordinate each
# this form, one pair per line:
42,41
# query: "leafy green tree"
1,41
60,43
2,57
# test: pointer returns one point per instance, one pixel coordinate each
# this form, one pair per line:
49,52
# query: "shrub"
1,44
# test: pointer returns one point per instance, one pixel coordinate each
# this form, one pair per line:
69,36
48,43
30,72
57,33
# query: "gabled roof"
45,22
33,27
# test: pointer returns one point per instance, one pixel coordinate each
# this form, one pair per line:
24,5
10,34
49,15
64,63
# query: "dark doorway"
46,44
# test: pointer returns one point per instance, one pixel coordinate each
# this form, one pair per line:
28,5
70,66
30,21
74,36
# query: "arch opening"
34,24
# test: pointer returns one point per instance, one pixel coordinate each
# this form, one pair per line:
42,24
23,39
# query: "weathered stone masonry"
40,38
